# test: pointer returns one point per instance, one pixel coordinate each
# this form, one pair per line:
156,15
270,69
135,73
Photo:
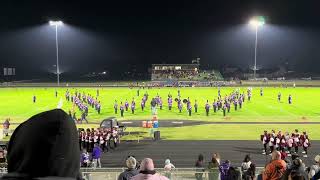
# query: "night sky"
116,35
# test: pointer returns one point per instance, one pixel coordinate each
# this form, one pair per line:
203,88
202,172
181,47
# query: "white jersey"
290,142
306,143
101,140
277,142
264,140
271,141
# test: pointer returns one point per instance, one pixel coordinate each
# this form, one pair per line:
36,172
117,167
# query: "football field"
302,114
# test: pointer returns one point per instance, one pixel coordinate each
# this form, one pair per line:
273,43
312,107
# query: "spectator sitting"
298,170
45,146
131,163
246,163
168,165
250,174
217,157
200,167
227,172
147,171
213,168
224,169
316,176
84,158
276,168
314,169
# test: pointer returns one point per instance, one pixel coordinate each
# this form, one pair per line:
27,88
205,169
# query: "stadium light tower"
256,22
56,24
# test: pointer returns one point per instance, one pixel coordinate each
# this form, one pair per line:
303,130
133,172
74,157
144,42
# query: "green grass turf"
224,131
16,103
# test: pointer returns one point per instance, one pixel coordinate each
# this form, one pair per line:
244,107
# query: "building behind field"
183,72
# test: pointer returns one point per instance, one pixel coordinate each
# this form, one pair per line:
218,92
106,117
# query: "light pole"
256,22
56,24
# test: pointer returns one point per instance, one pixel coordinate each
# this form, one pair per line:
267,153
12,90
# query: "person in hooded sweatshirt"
147,171
44,147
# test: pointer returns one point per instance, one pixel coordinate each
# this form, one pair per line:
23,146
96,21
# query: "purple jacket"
96,153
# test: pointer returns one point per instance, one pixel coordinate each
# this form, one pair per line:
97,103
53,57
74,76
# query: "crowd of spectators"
175,74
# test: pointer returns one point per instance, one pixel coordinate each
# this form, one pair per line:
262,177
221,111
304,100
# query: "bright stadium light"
56,24
256,22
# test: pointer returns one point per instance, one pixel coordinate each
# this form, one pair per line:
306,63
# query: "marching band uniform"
306,144
265,141
207,107
271,143
296,142
290,99
121,109
195,106
115,106
126,105
133,105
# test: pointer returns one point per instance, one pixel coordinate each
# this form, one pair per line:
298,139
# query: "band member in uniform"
179,105
138,92
195,106
265,140
189,107
228,105
56,93
240,102
207,107
126,105
271,142
290,99
224,108
160,103
34,99
170,102
235,103
305,145
215,106
261,92
133,106
121,109
289,144
279,96
142,105
6,126
115,106
296,142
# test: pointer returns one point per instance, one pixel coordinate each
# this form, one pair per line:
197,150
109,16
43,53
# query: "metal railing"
174,174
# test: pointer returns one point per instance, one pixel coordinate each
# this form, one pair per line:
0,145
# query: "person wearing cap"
314,169
131,163
147,171
44,147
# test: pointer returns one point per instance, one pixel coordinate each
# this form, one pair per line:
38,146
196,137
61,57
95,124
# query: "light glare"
55,23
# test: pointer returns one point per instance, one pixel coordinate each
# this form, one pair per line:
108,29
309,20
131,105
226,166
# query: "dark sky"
110,35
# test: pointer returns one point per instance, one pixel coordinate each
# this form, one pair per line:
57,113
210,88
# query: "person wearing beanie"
131,163
44,147
147,171
314,169
168,166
